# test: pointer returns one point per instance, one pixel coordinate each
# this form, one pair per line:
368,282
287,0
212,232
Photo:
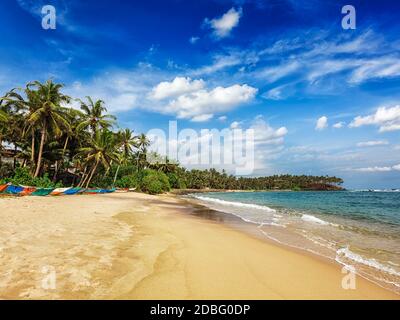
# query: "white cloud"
372,143
177,87
219,99
269,144
322,123
222,118
387,118
223,25
235,125
268,141
117,92
385,67
219,62
323,68
338,125
322,62
182,97
378,169
193,40
272,74
374,169
265,134
273,94
202,118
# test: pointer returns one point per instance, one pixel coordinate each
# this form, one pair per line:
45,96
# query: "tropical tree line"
53,144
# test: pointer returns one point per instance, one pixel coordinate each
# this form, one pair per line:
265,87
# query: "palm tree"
127,141
166,166
17,104
142,143
70,136
121,159
48,113
3,116
3,128
94,117
101,150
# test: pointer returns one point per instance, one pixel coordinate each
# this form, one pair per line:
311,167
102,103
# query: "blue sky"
323,100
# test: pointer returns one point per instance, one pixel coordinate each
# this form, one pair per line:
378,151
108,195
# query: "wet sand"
137,246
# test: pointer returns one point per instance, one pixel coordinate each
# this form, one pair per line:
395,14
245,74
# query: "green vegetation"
49,144
154,182
23,177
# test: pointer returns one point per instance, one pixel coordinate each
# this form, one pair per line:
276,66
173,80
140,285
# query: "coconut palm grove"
47,143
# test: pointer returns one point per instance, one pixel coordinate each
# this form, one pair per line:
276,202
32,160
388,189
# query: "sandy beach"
137,246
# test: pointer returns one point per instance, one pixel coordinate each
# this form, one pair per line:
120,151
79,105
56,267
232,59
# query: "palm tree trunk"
33,147
57,165
15,156
55,170
1,149
65,146
92,173
115,177
82,180
39,162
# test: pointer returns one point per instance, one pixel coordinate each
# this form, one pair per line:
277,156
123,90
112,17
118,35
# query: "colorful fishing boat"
42,192
59,191
3,187
92,191
71,191
98,191
15,190
27,191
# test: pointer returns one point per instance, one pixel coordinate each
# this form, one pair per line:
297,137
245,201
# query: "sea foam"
310,218
347,253
235,204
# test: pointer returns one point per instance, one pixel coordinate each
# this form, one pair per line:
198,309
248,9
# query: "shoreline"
137,246
252,228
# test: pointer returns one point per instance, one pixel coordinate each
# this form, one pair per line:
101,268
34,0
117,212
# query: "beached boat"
98,191
3,187
42,191
59,191
15,190
71,191
27,191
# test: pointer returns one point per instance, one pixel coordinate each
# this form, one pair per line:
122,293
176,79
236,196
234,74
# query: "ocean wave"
310,218
347,253
235,204
375,190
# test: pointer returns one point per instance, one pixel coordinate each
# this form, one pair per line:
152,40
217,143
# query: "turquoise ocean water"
355,228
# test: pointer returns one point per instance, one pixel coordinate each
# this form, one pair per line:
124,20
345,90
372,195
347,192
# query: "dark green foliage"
23,177
154,182
102,181
129,181
175,182
211,178
6,171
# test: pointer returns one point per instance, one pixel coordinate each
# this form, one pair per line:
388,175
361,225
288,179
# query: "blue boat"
14,189
72,191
